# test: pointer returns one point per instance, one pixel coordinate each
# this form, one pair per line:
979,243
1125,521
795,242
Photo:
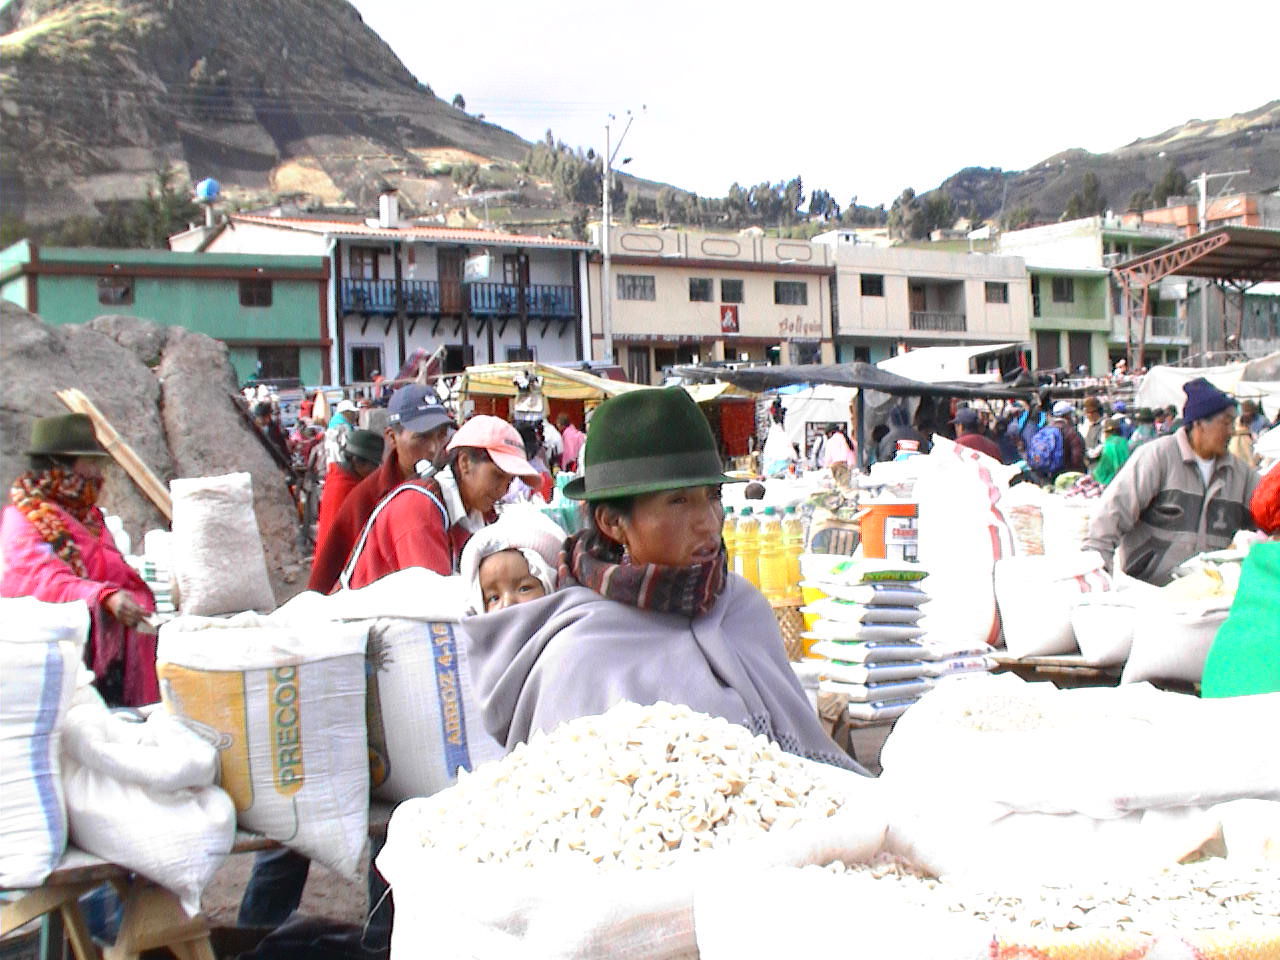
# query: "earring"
626,554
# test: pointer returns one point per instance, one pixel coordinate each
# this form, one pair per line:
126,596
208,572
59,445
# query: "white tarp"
1163,385
823,403
949,364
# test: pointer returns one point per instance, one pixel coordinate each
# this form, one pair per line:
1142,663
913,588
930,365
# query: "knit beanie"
1265,504
1203,400
519,527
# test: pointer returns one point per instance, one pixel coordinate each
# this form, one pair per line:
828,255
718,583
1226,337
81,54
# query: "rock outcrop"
168,393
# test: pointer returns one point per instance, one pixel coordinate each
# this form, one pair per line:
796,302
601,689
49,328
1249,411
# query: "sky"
857,98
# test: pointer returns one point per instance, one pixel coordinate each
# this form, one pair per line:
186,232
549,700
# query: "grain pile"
638,787
1214,894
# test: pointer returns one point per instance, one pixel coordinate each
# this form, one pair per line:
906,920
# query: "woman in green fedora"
56,548
647,610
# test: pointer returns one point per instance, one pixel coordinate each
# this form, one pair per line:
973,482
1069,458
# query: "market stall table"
1064,670
152,916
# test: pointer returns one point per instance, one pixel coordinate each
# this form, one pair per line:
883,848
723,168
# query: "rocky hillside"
96,95
1249,140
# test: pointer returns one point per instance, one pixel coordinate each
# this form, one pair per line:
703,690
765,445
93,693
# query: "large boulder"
209,436
169,393
38,360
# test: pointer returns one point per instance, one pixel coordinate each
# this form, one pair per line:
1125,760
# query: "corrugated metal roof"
345,228
1229,253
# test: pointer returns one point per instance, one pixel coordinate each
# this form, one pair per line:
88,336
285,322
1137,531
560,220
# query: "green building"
271,311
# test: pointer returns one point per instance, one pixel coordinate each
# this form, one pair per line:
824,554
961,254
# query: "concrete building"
270,310
892,299
396,287
684,297
1077,312
1234,210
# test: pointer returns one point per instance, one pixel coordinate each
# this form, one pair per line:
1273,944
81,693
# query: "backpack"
1045,454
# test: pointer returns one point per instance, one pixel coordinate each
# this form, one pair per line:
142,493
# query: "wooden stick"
120,451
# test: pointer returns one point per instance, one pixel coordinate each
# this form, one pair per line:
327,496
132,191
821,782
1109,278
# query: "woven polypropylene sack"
218,562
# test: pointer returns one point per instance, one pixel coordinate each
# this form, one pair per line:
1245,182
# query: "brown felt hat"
70,435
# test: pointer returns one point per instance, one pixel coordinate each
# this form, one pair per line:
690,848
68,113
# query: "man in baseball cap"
426,521
969,433
417,429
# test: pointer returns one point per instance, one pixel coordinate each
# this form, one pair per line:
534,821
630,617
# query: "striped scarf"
39,494
596,563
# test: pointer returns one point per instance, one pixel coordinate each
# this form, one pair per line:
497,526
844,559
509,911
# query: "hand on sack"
123,607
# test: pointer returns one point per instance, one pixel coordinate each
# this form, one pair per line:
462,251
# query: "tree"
465,175
631,211
458,101
1139,200
1172,184
792,198
666,204
939,212
906,217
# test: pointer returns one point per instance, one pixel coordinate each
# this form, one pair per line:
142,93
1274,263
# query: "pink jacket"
32,569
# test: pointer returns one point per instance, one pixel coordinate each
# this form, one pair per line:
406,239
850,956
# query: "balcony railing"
1171,328
935,320
487,299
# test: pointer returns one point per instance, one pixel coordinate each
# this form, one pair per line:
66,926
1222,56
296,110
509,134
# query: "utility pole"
1202,182
606,290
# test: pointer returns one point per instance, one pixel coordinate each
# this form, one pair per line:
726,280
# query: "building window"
635,287
1064,290
115,291
791,292
731,291
997,292
861,354
638,370
278,363
804,352
365,362
872,285
458,356
520,355
701,289
255,293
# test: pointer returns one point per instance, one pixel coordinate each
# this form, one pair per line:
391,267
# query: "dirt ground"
327,894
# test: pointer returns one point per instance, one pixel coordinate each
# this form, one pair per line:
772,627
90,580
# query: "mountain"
1249,140
97,95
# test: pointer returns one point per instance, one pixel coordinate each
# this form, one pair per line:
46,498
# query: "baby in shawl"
513,560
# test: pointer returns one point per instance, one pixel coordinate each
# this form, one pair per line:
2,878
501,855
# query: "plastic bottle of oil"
773,559
729,535
793,546
747,547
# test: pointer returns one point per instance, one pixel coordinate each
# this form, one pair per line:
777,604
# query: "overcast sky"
857,98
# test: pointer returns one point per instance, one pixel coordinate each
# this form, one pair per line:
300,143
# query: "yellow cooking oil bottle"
793,546
729,534
747,547
773,559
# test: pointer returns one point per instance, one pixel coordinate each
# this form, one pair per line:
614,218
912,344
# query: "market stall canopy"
1228,253
862,375
1259,379
558,383
946,364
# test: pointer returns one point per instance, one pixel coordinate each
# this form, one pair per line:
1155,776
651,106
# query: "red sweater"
334,545
338,482
410,530
983,444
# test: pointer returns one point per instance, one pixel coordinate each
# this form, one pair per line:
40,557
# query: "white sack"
40,648
1036,596
962,535
1104,623
218,563
1250,830
423,718
1171,641
284,703
142,795
495,910
1066,523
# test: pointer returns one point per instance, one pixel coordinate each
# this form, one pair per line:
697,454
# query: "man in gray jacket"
1177,495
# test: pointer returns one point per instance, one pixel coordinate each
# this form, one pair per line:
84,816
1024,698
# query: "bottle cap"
769,511
746,511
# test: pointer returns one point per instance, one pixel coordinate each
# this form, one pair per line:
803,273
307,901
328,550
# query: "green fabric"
644,441
70,435
1245,656
1114,454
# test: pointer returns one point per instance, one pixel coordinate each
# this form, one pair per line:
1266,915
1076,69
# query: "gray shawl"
576,654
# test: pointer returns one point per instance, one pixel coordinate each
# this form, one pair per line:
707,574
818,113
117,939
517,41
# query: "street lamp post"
606,291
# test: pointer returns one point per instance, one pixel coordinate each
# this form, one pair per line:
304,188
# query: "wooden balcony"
422,298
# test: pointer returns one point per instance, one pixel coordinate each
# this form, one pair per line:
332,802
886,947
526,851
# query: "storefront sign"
798,326
728,318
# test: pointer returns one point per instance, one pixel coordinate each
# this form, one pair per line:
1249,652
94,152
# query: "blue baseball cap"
417,408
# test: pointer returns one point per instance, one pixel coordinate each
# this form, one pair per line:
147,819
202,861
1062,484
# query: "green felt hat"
70,435
364,444
645,441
